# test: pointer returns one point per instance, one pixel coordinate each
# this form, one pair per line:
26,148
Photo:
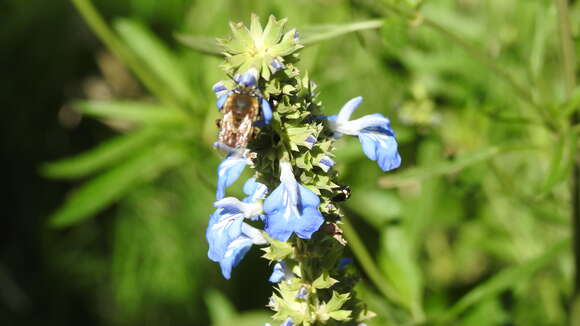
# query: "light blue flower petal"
222,100
285,216
381,147
229,171
255,190
278,272
302,293
288,322
348,108
236,251
266,111
224,227
249,77
219,87
310,141
276,65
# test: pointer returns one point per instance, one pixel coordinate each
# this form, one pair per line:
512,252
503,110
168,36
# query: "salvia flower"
291,208
229,237
325,163
280,272
373,131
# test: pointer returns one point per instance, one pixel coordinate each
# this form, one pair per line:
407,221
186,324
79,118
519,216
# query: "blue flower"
280,272
373,131
246,83
230,170
302,293
288,322
310,141
228,236
325,163
276,65
291,208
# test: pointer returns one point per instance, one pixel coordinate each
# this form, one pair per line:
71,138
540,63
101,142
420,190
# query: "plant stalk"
569,70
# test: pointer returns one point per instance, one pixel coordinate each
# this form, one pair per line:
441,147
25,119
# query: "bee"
343,194
241,109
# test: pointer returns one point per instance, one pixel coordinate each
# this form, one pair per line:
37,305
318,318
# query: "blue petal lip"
234,255
283,218
229,171
219,87
222,100
288,322
248,78
381,147
266,111
224,227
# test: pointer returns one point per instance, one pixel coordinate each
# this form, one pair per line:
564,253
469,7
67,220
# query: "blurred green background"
473,229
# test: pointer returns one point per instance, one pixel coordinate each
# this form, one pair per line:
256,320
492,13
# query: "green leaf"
317,33
324,281
420,173
138,112
103,156
278,250
340,315
111,185
506,279
220,309
203,44
150,49
336,301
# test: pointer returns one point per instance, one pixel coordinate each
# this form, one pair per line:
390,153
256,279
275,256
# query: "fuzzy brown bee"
243,107
241,110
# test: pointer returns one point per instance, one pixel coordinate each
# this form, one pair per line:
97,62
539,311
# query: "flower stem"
569,70
366,261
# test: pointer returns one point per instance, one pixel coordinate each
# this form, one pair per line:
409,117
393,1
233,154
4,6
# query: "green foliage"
474,92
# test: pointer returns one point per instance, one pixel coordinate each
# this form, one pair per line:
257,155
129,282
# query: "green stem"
117,47
569,70
366,261
520,90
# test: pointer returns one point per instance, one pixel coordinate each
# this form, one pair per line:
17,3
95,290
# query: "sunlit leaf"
106,188
138,112
102,156
317,33
158,57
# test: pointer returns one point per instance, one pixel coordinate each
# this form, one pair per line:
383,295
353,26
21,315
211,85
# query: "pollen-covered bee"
241,108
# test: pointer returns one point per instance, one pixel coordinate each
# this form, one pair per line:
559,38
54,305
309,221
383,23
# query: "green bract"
258,47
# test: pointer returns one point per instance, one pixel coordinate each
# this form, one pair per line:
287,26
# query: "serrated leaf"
336,301
158,57
340,315
108,187
314,34
277,250
505,279
324,281
138,112
102,156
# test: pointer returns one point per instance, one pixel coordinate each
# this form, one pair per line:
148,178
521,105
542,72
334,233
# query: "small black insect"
343,194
